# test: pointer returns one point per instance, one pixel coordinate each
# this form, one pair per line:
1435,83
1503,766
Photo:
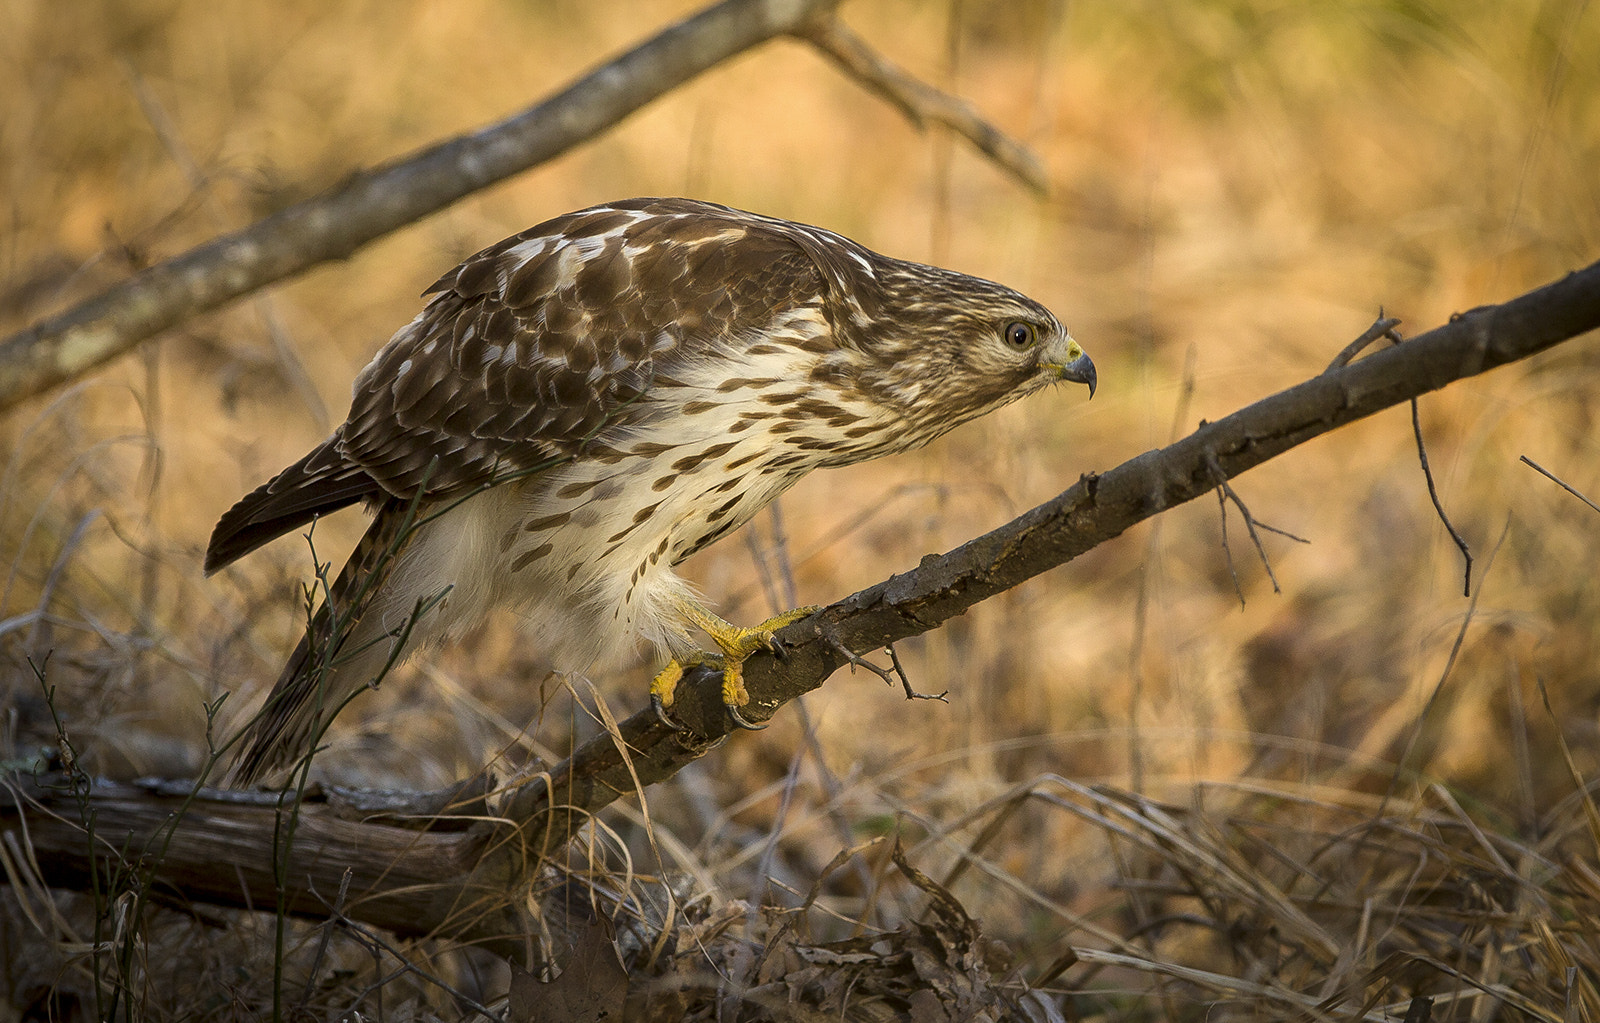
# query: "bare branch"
1281,532
373,203
468,883
922,103
905,683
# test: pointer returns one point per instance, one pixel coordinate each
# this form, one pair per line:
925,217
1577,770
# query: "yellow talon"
736,644
665,686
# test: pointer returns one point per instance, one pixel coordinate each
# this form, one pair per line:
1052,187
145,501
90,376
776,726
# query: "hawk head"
942,348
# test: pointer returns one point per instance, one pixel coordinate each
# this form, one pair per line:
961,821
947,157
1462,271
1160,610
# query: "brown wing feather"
534,345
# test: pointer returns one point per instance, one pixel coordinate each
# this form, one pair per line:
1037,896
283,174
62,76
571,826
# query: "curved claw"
662,715
742,721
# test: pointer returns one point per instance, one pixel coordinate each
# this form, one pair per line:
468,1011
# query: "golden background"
1236,189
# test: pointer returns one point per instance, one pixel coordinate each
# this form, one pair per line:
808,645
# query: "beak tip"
1081,370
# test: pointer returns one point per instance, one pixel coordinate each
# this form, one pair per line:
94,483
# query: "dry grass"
1303,815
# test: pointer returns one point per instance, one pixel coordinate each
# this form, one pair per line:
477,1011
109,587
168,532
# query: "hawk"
584,405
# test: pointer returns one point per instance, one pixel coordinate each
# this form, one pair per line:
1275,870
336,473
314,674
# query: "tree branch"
373,203
466,883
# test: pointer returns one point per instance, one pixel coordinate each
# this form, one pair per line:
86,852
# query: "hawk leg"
736,644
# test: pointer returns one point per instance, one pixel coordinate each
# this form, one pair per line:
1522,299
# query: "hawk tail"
344,650
320,483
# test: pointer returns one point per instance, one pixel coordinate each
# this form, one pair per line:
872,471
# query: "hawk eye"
1020,335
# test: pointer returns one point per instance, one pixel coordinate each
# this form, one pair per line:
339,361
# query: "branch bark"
371,204
465,882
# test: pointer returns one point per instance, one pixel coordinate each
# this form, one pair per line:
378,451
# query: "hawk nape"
584,405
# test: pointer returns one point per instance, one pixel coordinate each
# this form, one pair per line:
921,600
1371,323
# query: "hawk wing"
533,346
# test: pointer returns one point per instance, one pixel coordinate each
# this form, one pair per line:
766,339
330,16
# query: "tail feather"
320,483
343,651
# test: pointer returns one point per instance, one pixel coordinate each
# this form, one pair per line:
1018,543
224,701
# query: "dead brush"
1294,902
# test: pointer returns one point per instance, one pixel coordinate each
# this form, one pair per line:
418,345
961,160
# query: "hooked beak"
1076,366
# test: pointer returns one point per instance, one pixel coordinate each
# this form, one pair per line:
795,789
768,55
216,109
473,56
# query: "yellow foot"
736,644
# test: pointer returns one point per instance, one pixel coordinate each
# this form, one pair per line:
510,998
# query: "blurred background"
1237,187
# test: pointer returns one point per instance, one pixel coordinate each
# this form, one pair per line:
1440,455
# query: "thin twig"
326,937
899,670
1227,550
1297,538
1558,481
1433,493
922,103
1383,326
889,675
1223,489
855,661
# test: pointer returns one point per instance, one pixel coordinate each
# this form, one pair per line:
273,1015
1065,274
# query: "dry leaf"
592,987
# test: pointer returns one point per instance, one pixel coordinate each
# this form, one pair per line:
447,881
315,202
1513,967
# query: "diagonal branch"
467,883
373,203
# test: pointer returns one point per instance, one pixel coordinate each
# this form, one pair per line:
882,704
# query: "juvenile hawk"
584,405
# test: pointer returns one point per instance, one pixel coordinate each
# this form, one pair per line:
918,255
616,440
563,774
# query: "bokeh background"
1237,187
